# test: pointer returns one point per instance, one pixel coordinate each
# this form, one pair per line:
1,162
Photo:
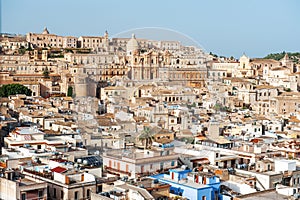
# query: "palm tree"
46,73
146,137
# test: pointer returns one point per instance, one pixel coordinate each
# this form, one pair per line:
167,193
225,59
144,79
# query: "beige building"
66,184
120,44
14,185
182,67
70,42
229,66
287,62
265,103
45,39
13,43
244,69
96,43
287,103
135,163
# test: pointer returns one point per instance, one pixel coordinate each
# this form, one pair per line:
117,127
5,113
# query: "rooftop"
264,195
27,131
185,183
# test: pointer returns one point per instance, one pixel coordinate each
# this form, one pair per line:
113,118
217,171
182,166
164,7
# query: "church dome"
132,45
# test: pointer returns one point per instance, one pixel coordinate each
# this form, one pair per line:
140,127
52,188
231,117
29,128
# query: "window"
173,163
88,193
23,196
161,165
76,195
142,169
99,188
203,197
54,192
62,194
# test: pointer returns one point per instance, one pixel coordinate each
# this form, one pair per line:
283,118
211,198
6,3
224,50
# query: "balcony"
116,171
33,195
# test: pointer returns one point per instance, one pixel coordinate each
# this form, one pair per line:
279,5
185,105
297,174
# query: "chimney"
10,175
67,180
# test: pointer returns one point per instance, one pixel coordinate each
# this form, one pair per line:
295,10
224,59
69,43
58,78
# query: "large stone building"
165,66
96,43
45,39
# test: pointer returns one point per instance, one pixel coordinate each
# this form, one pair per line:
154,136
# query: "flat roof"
27,131
265,195
187,184
26,182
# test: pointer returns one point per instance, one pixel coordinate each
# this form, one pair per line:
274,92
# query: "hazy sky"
225,27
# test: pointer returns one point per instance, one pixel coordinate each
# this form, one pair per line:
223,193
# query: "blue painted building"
192,185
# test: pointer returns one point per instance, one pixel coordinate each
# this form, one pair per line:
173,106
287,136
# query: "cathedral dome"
132,45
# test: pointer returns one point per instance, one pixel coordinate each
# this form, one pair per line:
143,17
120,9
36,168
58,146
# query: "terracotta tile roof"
58,169
294,119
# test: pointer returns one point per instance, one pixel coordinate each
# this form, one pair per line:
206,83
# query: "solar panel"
93,160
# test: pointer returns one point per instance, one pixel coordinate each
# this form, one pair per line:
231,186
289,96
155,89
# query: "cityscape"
145,114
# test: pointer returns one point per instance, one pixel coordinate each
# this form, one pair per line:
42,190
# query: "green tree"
277,56
146,137
13,89
212,54
70,91
46,73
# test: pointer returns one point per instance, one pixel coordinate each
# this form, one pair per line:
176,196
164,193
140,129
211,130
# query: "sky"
224,27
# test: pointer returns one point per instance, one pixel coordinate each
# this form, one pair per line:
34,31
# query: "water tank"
155,181
85,162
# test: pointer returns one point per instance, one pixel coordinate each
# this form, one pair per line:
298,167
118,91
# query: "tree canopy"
277,56
12,89
147,136
46,73
70,91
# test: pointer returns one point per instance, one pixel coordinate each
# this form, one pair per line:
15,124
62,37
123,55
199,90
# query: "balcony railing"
116,171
